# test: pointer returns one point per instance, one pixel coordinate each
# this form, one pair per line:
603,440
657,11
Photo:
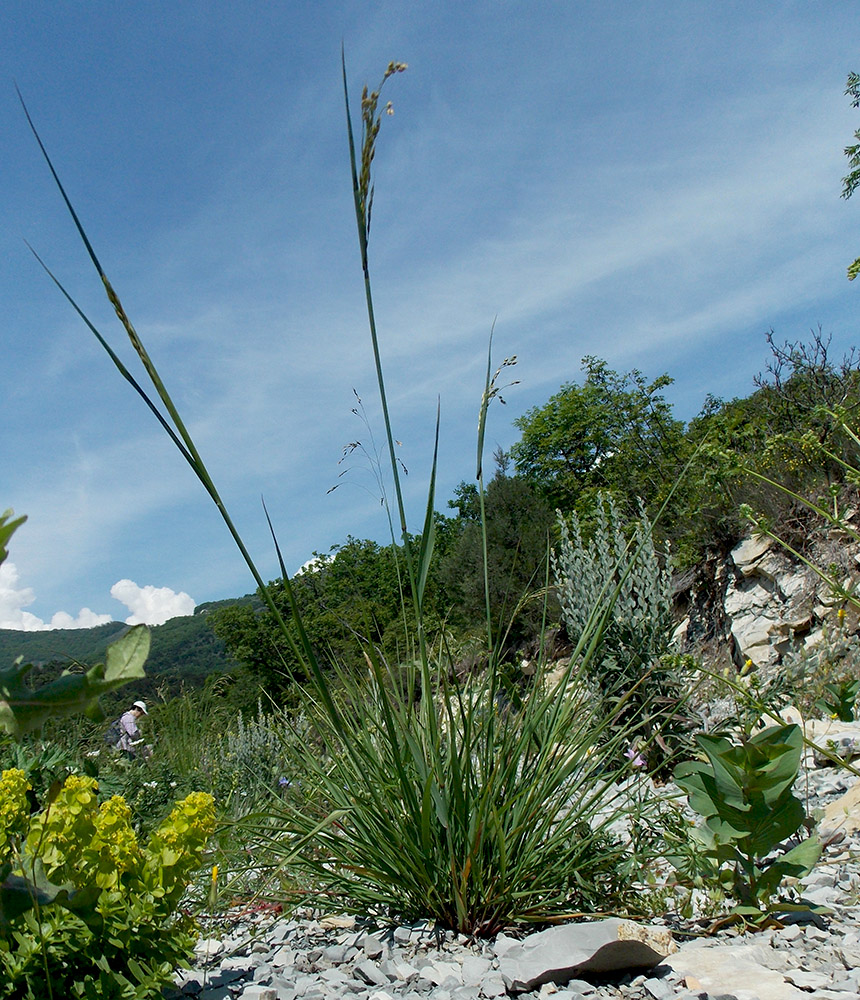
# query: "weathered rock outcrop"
758,601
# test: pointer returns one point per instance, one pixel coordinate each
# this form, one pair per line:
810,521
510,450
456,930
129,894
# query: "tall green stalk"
363,191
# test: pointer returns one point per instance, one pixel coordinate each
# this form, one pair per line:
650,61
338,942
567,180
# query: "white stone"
750,550
753,631
560,953
440,972
208,949
404,971
777,567
743,599
282,958
257,992
474,969
503,944
492,985
371,974
733,969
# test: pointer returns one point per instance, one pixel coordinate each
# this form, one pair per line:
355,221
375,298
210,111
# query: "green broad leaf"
782,747
125,658
768,881
803,857
783,907
796,863
82,902
729,829
694,778
747,910
7,529
726,822
725,768
774,823
135,969
23,710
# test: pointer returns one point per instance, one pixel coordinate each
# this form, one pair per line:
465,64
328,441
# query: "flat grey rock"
560,953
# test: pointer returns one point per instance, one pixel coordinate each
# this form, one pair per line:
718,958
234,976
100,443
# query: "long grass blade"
428,535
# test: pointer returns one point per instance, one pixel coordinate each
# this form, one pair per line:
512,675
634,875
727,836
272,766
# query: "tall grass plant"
417,793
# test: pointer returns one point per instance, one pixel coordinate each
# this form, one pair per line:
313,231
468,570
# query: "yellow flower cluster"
81,842
113,851
14,808
59,835
189,825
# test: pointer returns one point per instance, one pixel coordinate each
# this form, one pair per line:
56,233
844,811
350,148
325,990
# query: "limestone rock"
748,552
735,970
338,922
558,954
208,949
843,814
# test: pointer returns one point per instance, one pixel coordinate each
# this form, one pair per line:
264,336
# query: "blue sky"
656,183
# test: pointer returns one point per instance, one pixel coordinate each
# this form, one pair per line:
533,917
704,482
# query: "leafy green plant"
41,761
86,910
744,793
839,700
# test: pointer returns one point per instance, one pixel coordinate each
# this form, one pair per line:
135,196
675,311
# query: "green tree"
789,430
347,598
519,525
851,180
613,433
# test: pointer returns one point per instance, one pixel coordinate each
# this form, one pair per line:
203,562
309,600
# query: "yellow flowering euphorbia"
14,808
113,851
130,891
61,832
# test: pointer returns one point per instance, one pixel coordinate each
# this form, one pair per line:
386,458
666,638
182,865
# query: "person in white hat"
131,740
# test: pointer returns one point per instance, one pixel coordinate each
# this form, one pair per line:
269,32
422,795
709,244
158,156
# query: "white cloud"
13,600
151,605
85,619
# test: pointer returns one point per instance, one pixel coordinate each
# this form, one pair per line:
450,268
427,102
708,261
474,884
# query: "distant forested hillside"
184,650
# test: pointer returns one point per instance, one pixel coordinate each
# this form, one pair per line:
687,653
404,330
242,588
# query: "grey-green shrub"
613,566
616,589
